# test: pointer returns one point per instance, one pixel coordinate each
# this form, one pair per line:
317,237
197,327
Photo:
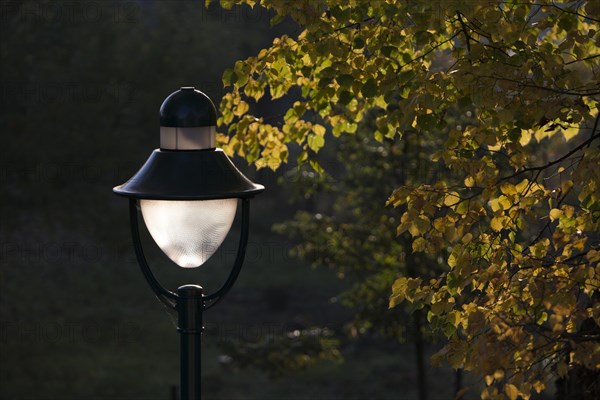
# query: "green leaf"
358,43
302,158
254,89
389,51
315,142
426,122
345,97
345,80
452,283
316,166
369,88
423,37
229,77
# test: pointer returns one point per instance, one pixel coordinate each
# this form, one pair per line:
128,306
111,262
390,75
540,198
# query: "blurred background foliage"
81,86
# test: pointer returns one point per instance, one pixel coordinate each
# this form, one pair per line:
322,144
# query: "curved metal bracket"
215,297
166,296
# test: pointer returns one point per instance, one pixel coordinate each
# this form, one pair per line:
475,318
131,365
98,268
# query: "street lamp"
188,192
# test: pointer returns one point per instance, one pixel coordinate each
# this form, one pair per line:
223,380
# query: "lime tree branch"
355,24
432,49
558,160
583,59
546,88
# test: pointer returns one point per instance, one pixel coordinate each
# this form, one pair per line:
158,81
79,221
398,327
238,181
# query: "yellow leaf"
566,186
489,379
511,391
398,292
497,223
489,393
419,244
451,199
570,132
469,181
525,137
319,129
505,203
555,213
454,318
494,205
508,189
452,260
467,238
569,211
543,318
241,109
440,224
521,186
413,229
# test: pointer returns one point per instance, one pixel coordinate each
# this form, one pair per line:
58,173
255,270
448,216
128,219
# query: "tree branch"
549,89
433,48
464,30
551,163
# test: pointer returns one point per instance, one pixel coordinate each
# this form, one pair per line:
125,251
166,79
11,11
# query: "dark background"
81,84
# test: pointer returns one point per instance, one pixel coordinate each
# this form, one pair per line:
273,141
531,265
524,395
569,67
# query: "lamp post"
188,191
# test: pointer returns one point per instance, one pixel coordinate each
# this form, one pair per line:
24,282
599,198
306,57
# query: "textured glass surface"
189,232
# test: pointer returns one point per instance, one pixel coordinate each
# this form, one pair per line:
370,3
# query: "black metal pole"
190,305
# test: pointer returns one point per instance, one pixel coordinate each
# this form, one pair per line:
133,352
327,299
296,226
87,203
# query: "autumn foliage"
515,206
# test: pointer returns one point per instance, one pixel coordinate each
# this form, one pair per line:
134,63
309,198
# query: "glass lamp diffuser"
189,232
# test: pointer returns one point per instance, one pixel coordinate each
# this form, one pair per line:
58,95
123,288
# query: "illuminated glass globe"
189,232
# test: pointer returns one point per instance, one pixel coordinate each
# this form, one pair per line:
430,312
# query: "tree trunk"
580,383
420,356
458,384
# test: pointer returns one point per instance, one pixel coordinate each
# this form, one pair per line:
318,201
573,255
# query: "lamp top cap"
187,108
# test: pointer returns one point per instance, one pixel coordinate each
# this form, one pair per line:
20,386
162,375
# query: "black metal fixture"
188,191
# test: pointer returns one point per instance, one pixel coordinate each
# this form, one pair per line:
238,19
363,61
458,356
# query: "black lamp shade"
188,175
188,166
